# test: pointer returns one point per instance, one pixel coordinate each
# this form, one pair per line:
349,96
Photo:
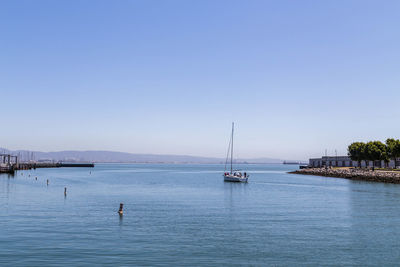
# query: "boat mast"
227,154
232,147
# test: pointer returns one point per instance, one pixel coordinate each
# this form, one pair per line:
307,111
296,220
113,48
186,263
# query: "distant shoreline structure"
99,156
194,163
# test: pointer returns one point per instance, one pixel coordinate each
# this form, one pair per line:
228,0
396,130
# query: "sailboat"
233,175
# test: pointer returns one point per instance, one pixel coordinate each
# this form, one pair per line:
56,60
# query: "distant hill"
123,157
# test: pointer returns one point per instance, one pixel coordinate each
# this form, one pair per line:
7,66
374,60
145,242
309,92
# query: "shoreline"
392,177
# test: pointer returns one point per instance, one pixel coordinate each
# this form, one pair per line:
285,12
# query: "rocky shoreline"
354,174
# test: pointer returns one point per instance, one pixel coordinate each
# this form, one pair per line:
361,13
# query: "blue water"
186,215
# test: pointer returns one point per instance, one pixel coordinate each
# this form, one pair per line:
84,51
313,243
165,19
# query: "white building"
344,161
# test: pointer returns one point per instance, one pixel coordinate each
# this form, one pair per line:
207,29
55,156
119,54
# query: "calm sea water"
186,215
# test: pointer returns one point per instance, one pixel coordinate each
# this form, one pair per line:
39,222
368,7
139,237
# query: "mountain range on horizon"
99,156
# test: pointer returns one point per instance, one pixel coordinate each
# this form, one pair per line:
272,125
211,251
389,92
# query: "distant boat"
233,175
288,162
291,162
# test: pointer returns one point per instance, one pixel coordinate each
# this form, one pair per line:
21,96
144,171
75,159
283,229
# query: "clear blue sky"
168,77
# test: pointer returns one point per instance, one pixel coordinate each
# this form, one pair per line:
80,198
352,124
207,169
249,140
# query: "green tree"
386,159
393,149
396,153
365,154
375,150
355,152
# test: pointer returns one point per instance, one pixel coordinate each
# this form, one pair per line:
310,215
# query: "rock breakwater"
354,174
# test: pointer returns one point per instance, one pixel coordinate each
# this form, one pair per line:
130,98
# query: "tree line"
375,151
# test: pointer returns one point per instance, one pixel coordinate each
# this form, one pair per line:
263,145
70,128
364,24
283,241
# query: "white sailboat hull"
237,179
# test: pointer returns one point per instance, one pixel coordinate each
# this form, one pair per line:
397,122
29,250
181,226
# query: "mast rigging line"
227,153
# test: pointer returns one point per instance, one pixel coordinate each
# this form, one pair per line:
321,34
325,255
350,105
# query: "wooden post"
65,191
121,209
47,181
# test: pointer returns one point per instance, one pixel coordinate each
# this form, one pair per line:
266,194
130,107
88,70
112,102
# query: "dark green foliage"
355,152
375,151
393,149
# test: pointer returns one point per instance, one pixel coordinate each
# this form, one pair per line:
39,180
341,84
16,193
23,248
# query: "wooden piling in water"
121,209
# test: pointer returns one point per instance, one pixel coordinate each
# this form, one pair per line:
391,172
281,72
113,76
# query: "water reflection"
5,179
7,175
121,219
374,220
234,193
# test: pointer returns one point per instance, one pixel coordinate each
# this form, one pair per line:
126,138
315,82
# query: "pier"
35,165
9,164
